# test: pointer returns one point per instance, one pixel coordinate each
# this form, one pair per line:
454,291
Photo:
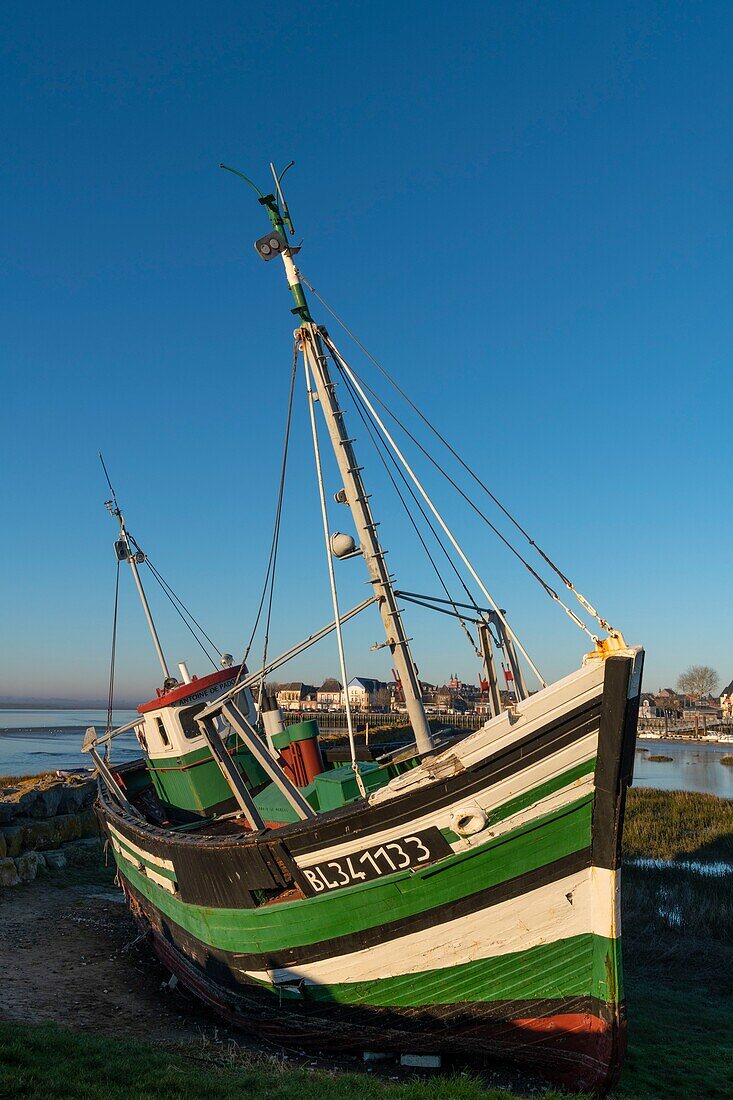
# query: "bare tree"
698,680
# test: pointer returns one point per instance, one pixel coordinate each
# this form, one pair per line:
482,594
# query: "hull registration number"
411,851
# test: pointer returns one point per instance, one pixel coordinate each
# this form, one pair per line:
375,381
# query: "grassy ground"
678,825
52,1063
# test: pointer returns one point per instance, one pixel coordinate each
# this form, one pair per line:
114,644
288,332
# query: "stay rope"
312,398
585,604
381,453
274,544
111,692
180,608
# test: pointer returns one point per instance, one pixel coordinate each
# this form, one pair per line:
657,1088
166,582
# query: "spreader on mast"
133,557
309,334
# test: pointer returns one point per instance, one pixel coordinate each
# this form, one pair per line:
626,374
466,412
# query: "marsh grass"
678,824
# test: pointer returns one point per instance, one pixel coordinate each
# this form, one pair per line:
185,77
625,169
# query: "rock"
39,834
8,873
7,811
27,866
89,823
13,837
55,859
47,801
77,794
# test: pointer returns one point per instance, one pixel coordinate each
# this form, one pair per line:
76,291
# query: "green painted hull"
501,943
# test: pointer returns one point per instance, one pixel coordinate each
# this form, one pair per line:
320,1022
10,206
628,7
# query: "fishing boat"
456,895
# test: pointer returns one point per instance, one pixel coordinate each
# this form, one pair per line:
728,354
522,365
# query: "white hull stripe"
157,861
545,707
160,880
490,798
578,904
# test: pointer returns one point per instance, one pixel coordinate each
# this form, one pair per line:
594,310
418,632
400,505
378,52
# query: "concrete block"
421,1061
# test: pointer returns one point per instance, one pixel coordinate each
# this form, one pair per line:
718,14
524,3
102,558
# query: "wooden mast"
356,495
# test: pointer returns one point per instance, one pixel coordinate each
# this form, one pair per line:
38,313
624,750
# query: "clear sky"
524,209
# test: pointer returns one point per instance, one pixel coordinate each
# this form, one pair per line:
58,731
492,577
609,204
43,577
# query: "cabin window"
187,719
163,735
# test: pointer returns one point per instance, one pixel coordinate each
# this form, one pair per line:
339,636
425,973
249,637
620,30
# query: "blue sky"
524,211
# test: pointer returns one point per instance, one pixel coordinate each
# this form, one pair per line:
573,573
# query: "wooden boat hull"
498,939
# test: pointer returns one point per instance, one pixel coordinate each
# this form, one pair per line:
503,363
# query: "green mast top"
276,243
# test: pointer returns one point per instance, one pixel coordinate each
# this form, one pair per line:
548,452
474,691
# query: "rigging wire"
111,693
180,608
332,580
540,580
381,451
585,604
343,367
272,560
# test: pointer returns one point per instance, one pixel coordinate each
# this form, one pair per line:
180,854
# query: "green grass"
680,1043
678,824
47,1062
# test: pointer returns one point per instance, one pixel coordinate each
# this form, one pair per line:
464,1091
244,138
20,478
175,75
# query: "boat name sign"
401,854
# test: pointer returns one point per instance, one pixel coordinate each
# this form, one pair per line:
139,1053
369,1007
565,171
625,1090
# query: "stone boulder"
7,811
13,838
8,873
47,801
77,794
55,859
27,866
39,834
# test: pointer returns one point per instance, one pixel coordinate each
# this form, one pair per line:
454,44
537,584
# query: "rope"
343,366
272,560
332,581
585,604
540,580
361,410
180,608
111,694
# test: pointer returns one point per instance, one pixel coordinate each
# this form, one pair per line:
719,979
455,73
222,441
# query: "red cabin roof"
202,685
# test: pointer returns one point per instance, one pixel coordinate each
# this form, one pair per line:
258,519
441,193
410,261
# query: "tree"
698,680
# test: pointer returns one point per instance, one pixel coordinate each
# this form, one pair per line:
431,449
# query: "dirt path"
67,954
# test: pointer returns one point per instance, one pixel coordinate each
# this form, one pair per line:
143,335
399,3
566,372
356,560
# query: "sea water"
695,766
33,741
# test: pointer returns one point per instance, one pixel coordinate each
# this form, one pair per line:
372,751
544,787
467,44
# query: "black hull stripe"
533,748
390,930
614,761
206,856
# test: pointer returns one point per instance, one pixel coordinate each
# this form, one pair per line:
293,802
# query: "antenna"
283,205
115,510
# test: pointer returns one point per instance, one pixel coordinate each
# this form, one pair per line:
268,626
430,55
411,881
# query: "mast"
125,553
276,243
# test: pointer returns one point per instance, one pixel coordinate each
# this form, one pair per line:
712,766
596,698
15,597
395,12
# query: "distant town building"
296,696
330,695
726,702
365,693
648,707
